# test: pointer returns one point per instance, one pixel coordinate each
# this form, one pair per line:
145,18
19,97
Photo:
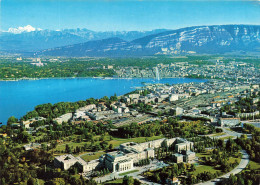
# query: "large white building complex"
66,161
127,155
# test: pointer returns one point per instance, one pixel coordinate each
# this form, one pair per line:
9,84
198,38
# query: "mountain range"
216,39
29,39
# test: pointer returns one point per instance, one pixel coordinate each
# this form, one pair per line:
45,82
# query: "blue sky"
125,15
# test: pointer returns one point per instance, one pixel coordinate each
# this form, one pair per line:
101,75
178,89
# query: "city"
136,92
205,105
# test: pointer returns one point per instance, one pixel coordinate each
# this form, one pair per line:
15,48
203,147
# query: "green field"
71,144
115,141
227,137
88,157
202,168
233,159
204,154
212,169
117,181
254,165
218,134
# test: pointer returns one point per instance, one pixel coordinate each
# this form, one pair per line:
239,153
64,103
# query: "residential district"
191,101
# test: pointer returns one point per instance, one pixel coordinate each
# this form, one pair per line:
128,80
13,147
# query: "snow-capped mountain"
29,39
20,30
197,39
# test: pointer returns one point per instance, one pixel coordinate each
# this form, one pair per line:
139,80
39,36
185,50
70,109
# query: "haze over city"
126,15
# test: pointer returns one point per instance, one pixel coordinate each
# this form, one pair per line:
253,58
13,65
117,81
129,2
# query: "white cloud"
20,29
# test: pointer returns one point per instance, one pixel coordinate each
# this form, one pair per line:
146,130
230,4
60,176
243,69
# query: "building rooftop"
178,155
189,152
116,154
66,158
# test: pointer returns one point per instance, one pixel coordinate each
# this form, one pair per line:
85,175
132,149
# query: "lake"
19,97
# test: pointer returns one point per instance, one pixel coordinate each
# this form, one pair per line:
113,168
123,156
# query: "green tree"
128,180
31,181
24,137
193,168
12,120
67,149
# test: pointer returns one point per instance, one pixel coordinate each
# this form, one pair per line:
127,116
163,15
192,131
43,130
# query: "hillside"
217,39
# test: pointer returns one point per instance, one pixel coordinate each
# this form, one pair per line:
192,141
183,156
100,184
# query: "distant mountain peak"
21,29
83,42
216,39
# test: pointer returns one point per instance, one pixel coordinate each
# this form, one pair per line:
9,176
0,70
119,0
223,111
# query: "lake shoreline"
105,78
19,97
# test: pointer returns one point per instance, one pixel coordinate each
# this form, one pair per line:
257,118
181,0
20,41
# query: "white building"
118,161
178,158
176,111
174,97
63,118
229,122
87,107
183,144
66,161
27,123
122,160
189,156
247,115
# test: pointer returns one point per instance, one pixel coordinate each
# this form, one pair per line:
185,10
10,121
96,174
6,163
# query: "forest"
174,128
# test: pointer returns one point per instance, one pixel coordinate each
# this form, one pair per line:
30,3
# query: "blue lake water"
19,97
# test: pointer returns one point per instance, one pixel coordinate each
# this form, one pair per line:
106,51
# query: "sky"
121,15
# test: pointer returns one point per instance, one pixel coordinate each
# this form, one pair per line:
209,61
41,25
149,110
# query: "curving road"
242,165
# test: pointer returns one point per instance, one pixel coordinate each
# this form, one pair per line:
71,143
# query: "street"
242,165
155,164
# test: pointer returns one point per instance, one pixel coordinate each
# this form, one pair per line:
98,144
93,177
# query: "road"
229,133
232,133
256,123
154,165
242,165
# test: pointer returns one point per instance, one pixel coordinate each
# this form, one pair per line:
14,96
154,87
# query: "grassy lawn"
88,157
71,144
117,141
123,174
218,134
231,137
254,165
204,154
212,169
228,129
233,159
202,168
117,181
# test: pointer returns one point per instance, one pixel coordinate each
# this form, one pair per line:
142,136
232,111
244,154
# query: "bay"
19,97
